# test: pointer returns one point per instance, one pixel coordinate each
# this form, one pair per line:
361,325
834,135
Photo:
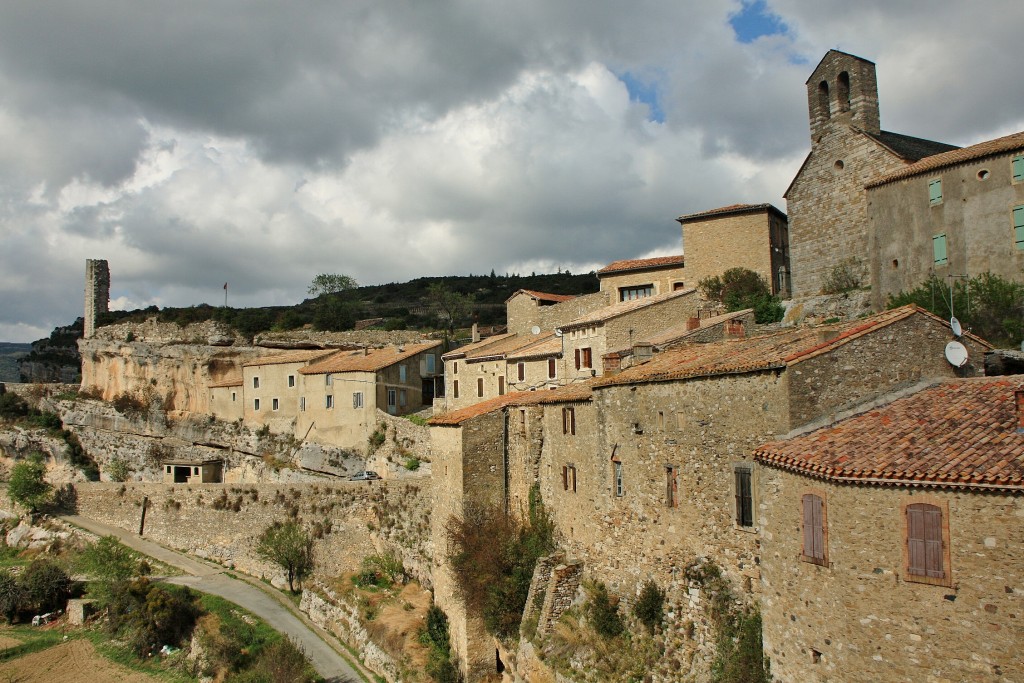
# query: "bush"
845,276
378,437
603,612
28,486
740,288
129,405
649,607
12,406
118,470
381,570
287,545
435,637
412,464
11,597
45,586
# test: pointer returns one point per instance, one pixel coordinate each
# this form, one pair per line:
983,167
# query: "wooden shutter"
522,371
935,191
1018,226
577,359
501,385
924,541
480,386
455,389
572,421
744,502
814,528
551,368
939,249
565,478
1018,169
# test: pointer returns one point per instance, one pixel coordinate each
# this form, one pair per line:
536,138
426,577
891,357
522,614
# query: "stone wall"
523,312
859,619
97,293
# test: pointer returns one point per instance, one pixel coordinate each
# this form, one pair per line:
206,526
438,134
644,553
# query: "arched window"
843,91
823,101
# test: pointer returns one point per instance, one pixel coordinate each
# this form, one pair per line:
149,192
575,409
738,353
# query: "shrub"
129,405
12,406
649,607
118,470
381,570
845,276
28,486
435,637
412,464
603,611
378,437
287,545
740,288
10,594
45,586
417,419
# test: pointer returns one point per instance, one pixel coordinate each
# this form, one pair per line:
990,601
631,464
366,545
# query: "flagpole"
225,295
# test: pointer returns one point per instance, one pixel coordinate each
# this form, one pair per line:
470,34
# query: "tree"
451,306
288,545
45,586
28,485
111,564
740,288
331,283
11,594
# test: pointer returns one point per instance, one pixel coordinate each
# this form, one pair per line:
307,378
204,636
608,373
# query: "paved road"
271,607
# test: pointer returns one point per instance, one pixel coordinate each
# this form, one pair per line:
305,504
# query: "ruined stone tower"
97,293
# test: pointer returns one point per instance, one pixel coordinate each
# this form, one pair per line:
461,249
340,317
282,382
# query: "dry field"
74,661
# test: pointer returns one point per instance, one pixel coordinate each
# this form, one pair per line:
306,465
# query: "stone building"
193,471
527,309
637,278
227,400
892,540
273,389
956,213
751,236
827,200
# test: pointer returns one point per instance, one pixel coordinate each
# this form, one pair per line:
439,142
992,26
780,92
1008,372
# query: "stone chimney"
642,352
693,323
734,329
476,333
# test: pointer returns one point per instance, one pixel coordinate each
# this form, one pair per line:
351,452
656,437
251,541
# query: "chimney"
642,352
476,333
693,323
612,364
1018,396
734,329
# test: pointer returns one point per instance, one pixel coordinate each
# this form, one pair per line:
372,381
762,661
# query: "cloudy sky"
260,143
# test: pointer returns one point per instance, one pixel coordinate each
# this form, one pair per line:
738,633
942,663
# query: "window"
274,404
1018,168
927,546
455,367
638,292
291,381
584,358
255,382
569,478
431,364
455,389
1018,226
195,470
232,397
402,400
401,374
255,404
672,486
521,371
329,402
551,368
168,469
814,546
843,91
939,250
501,385
522,420
480,386
327,380
617,478
357,399
935,191
569,421
744,496
302,404
677,286
824,105
661,420
392,400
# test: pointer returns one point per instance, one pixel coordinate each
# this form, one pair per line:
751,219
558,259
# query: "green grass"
11,557
33,639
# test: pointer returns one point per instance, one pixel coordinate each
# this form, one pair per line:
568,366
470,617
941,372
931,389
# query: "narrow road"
269,606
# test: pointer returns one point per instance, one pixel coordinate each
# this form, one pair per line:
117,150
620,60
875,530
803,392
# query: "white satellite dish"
956,354
535,329
955,325
558,333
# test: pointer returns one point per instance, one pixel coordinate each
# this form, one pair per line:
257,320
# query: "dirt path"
262,601
75,661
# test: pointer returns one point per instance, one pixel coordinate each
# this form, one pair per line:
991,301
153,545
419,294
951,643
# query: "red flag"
225,286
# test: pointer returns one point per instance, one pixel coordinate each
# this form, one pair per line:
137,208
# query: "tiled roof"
368,360
731,210
542,296
290,357
607,313
981,150
566,394
909,148
641,264
959,434
753,354
544,345
227,382
680,333
507,345
475,346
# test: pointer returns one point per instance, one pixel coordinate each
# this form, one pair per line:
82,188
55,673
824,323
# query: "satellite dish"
955,325
535,329
956,354
558,333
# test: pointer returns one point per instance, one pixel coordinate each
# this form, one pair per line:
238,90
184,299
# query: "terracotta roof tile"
544,345
981,150
679,333
607,313
565,394
369,360
960,433
498,350
542,296
289,357
462,351
641,264
732,209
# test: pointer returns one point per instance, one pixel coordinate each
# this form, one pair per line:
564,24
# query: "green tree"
28,486
451,306
45,586
740,288
331,283
289,546
649,607
111,564
11,594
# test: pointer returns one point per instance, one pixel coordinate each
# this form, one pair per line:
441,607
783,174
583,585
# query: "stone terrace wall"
364,518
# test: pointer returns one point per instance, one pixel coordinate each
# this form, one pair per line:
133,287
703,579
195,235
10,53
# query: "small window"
455,367
1018,168
569,478
522,420
329,402
814,528
455,388
168,469
392,400
480,387
939,250
431,363
569,421
232,397
617,482
195,470
935,191
302,404
672,486
521,371
744,496
501,385
357,399
327,380
255,404
677,286
639,292
1018,226
255,382
275,404
291,381
551,368
927,544
402,399
401,374
584,358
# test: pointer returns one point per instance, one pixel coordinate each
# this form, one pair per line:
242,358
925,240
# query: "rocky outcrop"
818,309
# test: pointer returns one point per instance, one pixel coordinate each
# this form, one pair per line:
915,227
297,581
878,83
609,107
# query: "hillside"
9,355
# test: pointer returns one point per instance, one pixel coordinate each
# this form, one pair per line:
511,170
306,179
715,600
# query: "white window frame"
357,400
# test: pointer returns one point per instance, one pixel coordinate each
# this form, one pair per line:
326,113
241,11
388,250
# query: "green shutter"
1018,226
935,191
1018,169
939,249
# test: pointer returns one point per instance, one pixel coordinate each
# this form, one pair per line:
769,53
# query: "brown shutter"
480,386
814,529
501,386
455,389
577,359
565,478
933,543
551,368
522,371
924,541
572,421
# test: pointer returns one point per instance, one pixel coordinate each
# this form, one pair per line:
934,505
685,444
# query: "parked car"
368,475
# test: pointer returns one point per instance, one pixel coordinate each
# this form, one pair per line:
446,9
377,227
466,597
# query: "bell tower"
842,90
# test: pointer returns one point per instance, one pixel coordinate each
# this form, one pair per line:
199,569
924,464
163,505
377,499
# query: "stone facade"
660,279
524,310
97,293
